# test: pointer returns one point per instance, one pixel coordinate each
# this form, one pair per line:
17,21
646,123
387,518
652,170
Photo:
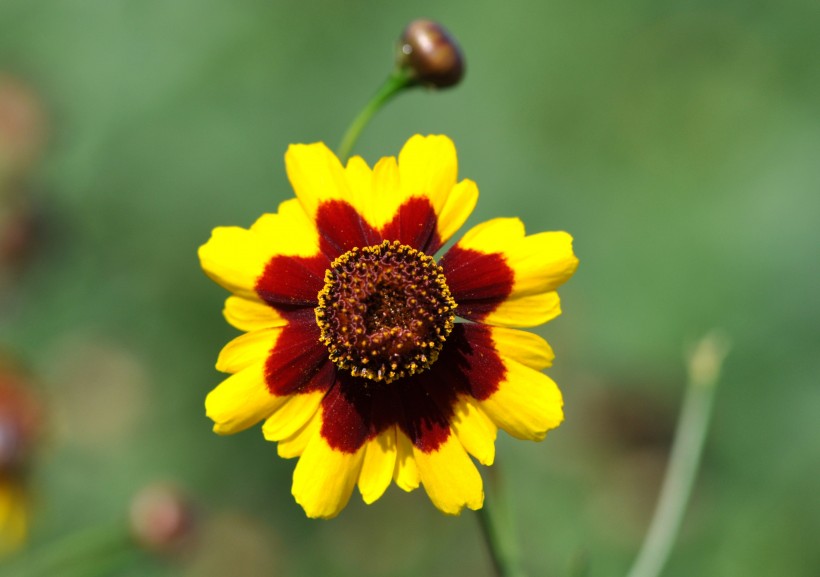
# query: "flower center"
385,311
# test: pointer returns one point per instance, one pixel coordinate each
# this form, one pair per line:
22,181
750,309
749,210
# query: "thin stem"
687,447
497,531
394,84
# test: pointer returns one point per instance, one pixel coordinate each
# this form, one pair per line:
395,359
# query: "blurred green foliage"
677,141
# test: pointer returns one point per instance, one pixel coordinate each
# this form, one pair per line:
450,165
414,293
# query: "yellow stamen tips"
396,299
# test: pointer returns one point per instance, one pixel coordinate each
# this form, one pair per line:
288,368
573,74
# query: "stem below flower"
704,369
496,529
395,83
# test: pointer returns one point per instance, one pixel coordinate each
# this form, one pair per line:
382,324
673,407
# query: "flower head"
19,426
368,359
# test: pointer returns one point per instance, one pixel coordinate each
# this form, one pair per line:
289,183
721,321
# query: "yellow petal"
245,350
387,195
542,262
289,232
13,515
474,430
234,259
457,208
379,463
360,182
292,416
527,403
406,474
316,175
492,236
525,347
428,167
450,477
251,314
324,478
241,401
295,445
525,311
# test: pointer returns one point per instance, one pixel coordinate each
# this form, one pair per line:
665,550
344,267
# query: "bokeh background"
678,142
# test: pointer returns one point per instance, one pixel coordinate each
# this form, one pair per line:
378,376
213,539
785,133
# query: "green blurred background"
679,142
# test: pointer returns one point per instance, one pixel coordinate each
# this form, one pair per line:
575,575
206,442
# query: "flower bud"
19,422
22,126
162,518
429,55
19,233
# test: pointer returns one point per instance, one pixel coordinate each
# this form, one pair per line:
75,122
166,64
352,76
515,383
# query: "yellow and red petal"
495,262
289,232
234,259
316,175
321,185
450,478
324,478
251,314
277,261
270,365
415,200
247,349
241,400
428,167
526,404
516,397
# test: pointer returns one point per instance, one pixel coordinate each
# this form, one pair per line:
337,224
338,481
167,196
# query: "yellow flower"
19,424
13,513
364,356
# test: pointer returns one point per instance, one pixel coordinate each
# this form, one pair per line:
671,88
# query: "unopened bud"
430,55
162,518
19,421
19,233
22,126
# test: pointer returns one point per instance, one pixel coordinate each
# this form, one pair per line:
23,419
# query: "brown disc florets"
385,311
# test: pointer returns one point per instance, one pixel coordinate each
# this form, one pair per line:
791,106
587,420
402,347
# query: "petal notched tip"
324,478
449,477
241,401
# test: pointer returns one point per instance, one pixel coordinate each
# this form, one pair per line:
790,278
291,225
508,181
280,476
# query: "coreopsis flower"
368,359
19,423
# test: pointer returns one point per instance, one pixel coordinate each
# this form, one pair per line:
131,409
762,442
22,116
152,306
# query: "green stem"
497,531
394,84
687,447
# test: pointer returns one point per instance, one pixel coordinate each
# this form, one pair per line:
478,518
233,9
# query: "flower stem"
497,531
395,83
704,370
